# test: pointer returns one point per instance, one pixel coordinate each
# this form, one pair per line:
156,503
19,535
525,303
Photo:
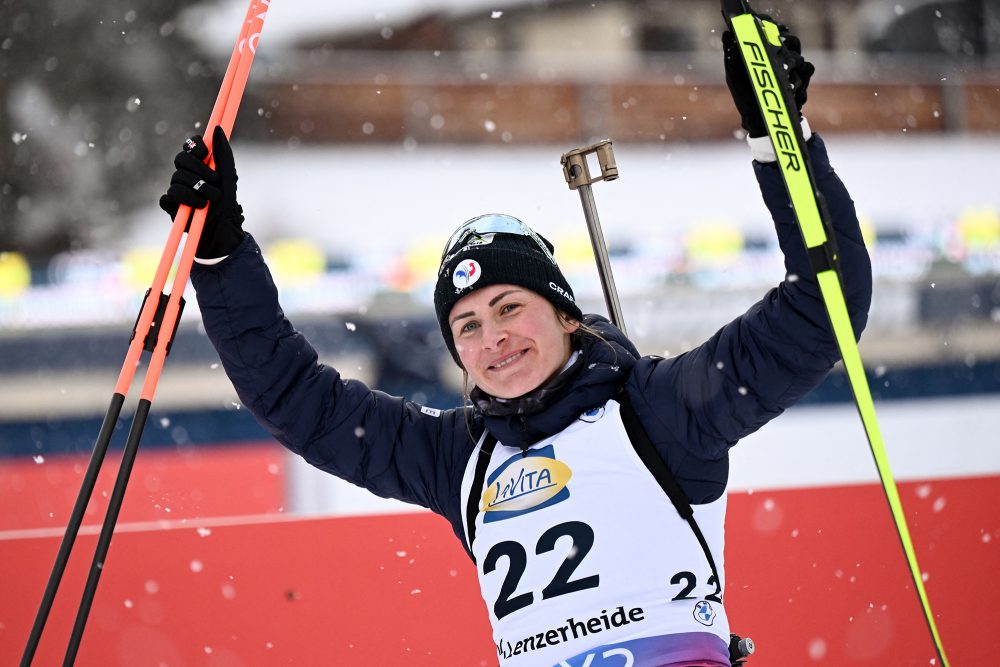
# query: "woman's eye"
507,308
467,327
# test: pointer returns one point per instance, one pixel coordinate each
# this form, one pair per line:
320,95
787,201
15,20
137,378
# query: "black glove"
798,69
195,184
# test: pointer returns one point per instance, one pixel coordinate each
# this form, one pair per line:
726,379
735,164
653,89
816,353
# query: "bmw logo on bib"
703,612
591,416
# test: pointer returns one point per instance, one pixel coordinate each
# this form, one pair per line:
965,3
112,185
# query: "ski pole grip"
576,170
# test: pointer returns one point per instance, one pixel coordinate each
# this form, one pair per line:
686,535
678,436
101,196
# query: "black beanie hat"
498,258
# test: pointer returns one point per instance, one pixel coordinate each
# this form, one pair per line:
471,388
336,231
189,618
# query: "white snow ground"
297,19
377,198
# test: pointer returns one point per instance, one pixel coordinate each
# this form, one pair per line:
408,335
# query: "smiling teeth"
507,361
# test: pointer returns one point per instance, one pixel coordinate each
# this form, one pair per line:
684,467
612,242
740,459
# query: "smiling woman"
505,309
499,296
543,474
510,340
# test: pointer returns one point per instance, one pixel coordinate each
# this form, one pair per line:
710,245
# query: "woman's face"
510,339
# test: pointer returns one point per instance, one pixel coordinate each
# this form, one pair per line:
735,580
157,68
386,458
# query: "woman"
582,558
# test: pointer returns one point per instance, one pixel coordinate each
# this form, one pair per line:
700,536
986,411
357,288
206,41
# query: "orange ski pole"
145,336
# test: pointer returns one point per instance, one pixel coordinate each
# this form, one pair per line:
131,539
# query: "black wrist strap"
654,463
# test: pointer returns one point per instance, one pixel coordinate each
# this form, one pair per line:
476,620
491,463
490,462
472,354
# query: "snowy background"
95,99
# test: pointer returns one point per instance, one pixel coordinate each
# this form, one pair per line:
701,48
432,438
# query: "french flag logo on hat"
466,274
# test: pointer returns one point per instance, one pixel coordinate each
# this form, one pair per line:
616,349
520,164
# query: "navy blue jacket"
694,406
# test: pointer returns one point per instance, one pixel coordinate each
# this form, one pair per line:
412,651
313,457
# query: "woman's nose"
494,335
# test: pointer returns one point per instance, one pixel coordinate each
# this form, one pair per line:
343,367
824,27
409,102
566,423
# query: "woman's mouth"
506,361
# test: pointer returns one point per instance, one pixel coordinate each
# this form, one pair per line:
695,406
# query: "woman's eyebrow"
502,295
462,316
492,303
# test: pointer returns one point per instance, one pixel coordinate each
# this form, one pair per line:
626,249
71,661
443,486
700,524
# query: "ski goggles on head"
492,223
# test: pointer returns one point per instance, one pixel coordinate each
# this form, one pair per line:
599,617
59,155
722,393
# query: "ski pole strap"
824,258
153,333
476,492
657,466
758,44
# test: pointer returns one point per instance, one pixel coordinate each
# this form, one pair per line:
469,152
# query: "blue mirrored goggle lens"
494,223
